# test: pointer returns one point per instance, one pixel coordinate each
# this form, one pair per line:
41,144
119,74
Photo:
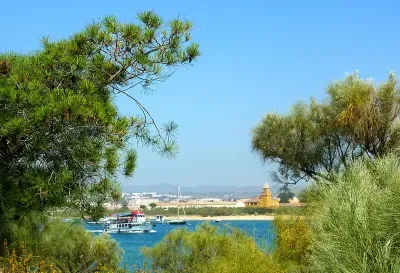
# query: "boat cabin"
136,216
133,222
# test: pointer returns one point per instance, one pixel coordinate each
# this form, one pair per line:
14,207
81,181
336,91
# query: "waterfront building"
265,200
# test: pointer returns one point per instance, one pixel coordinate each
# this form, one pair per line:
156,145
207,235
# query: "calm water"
262,231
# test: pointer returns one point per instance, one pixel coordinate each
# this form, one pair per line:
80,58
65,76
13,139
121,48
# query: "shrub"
356,226
68,246
22,261
292,242
310,194
208,250
293,211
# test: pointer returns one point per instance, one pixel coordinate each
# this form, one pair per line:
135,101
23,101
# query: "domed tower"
266,196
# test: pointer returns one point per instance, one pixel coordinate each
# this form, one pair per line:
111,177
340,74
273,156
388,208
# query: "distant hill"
185,190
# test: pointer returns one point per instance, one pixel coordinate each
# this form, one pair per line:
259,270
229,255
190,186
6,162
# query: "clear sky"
257,56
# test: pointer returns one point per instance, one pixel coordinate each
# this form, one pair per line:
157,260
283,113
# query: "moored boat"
158,220
178,221
134,222
104,220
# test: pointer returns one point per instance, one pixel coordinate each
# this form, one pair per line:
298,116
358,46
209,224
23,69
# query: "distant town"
164,200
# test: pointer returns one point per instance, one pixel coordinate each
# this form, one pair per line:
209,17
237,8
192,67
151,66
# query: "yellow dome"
266,186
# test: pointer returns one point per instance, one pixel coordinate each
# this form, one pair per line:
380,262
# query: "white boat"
178,221
217,220
134,222
107,219
158,220
104,220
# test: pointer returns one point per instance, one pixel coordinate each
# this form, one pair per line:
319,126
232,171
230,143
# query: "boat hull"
129,228
177,222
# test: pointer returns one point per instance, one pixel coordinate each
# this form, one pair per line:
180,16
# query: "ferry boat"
104,220
134,222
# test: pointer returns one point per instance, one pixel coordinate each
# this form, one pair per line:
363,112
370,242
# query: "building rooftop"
253,200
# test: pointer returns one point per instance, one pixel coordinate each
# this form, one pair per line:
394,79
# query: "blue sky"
257,56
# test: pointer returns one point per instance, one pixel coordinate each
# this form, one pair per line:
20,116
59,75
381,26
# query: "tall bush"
355,227
209,250
292,242
68,247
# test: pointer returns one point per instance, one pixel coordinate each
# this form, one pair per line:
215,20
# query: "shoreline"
227,218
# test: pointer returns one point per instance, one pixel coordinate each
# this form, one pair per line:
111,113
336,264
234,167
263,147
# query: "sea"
261,231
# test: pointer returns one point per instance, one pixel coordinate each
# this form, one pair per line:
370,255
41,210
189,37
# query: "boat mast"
178,200
183,207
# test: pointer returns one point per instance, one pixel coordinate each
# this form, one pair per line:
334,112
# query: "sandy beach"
228,218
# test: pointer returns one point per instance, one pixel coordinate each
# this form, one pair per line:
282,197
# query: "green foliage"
292,211
125,269
67,246
62,140
209,249
152,205
285,194
293,240
212,211
317,140
355,226
310,194
20,261
259,210
143,206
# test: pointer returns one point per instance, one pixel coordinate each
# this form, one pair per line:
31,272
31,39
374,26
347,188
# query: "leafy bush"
293,211
355,228
292,242
22,261
310,194
67,246
208,250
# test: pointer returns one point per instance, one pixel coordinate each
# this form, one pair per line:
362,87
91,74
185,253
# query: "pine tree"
62,140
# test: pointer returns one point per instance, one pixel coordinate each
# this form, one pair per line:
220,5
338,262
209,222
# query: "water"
262,231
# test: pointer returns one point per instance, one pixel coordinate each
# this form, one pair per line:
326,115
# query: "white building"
137,202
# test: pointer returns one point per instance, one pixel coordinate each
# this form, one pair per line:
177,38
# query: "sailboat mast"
178,200
183,207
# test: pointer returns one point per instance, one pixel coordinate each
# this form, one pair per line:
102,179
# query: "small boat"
178,221
217,220
158,220
134,222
